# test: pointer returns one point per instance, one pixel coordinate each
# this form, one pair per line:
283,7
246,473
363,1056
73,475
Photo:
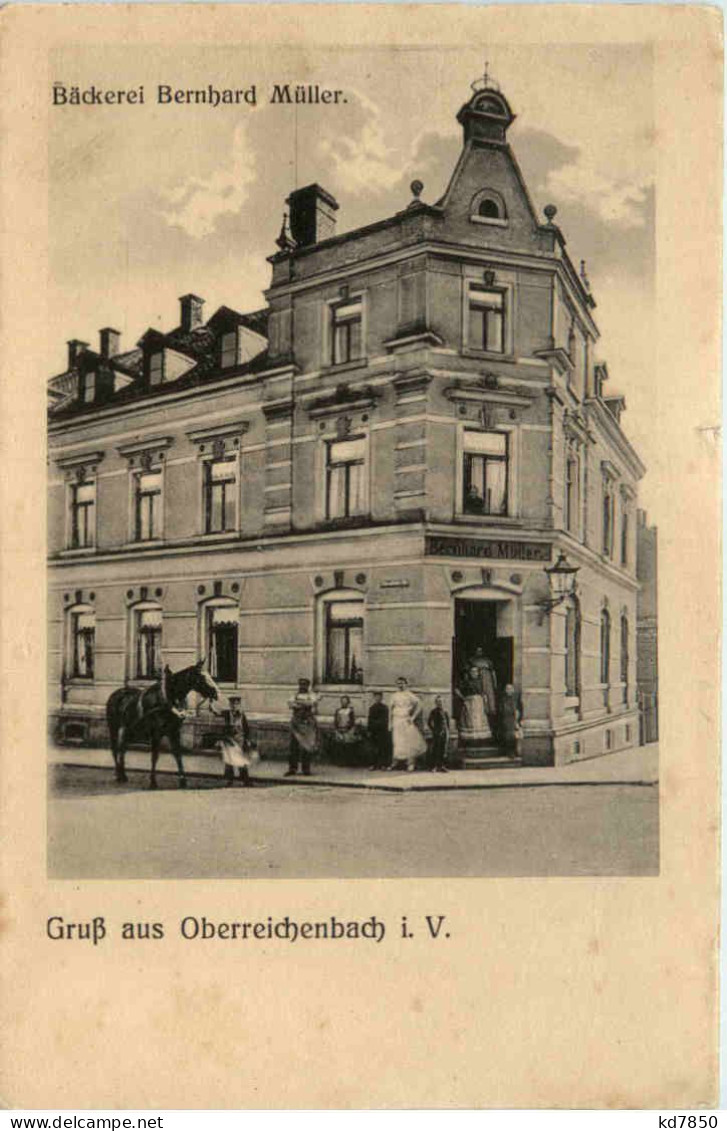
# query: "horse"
133,712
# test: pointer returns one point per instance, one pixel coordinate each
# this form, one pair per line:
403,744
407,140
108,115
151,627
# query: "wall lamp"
562,578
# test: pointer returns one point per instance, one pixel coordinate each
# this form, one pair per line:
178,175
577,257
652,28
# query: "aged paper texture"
373,461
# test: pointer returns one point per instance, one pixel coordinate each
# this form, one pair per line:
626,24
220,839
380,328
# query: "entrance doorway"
475,626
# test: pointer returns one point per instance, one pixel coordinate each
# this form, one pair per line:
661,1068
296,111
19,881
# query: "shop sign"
495,549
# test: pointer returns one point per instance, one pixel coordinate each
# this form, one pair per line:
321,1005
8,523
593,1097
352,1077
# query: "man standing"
378,728
304,736
438,723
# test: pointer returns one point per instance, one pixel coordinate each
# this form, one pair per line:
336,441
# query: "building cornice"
218,431
595,407
147,443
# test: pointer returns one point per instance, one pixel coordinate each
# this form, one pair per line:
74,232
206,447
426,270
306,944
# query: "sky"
149,202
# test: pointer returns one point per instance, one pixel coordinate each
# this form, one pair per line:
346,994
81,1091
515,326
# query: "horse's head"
203,683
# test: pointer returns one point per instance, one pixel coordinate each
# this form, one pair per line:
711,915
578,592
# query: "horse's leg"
113,740
120,754
154,757
177,752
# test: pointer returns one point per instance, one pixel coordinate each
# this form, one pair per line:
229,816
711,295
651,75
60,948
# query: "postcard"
361,662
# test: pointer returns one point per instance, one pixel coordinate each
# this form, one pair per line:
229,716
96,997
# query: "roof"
200,345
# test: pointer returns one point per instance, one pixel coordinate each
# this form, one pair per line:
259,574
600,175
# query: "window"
346,478
489,209
148,643
572,650
228,349
83,501
625,657
607,519
89,387
624,537
220,488
485,472
486,329
148,506
221,639
572,493
83,643
605,651
344,642
572,343
156,368
346,337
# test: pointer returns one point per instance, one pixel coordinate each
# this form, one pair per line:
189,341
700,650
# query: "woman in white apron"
407,740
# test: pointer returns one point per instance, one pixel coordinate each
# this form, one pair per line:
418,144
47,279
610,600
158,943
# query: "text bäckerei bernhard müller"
198,928
163,94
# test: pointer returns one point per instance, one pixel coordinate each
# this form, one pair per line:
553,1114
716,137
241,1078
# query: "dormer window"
156,368
88,388
229,349
488,207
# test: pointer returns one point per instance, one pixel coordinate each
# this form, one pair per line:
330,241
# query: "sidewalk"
638,766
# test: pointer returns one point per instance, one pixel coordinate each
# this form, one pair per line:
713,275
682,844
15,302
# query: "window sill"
143,544
491,221
81,681
344,366
492,355
219,535
340,688
77,552
488,519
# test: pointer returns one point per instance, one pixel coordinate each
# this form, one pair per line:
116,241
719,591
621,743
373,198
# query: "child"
511,721
235,745
378,728
438,723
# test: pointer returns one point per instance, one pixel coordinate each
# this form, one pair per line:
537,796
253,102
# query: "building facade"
367,478
647,628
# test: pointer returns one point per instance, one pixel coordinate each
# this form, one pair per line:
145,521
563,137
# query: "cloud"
363,161
568,176
197,203
616,201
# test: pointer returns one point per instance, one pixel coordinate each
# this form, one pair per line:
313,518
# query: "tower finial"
486,81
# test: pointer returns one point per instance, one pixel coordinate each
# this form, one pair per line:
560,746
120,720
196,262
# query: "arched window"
572,650
342,637
625,656
489,208
82,641
221,626
605,651
146,641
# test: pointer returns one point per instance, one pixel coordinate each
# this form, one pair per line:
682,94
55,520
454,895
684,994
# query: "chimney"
75,349
312,215
110,342
191,308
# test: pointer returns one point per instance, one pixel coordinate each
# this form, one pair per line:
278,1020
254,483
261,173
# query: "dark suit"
378,728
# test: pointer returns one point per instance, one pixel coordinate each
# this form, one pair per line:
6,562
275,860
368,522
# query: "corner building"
366,478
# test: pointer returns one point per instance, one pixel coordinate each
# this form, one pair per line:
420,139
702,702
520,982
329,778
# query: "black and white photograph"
360,660
352,404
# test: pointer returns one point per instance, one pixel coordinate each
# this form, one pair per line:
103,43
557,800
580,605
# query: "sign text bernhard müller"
494,549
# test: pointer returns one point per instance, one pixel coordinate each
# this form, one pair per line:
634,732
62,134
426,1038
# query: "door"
475,626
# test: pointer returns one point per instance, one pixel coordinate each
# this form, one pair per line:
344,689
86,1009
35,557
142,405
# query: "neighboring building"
647,629
366,478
